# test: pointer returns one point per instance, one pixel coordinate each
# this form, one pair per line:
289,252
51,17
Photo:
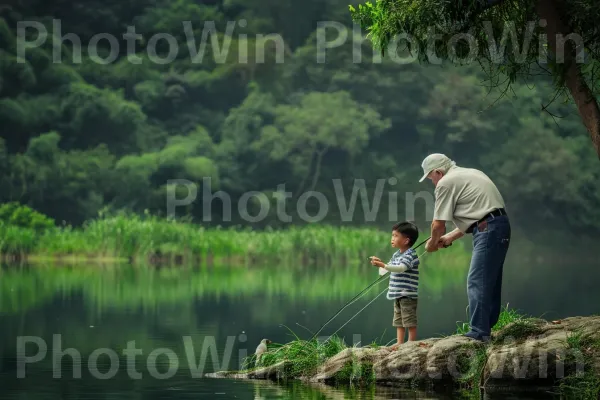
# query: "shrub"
15,214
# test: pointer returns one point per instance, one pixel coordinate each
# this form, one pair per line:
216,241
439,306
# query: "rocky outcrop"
529,352
272,372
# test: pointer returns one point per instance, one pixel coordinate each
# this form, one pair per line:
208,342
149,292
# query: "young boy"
404,279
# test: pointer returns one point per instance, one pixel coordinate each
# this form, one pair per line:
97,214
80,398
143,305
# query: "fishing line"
355,298
354,316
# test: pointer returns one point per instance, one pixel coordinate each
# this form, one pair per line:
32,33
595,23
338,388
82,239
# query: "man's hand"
431,247
438,229
445,241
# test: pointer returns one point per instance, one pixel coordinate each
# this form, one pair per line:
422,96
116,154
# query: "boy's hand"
377,262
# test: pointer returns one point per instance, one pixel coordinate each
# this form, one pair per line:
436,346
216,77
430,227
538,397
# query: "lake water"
186,312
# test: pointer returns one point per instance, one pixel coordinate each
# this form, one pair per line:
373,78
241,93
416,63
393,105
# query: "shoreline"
163,260
529,354
152,259
152,240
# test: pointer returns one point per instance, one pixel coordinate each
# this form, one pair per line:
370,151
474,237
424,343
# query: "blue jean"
484,282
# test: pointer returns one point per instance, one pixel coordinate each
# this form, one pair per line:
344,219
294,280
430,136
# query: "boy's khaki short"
405,312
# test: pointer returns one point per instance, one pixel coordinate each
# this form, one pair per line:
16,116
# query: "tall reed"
146,238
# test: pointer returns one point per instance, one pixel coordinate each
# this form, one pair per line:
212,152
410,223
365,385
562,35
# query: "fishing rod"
355,298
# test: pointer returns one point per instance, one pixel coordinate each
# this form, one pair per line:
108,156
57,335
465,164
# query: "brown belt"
495,213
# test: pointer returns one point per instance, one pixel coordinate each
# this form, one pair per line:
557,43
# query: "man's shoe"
475,336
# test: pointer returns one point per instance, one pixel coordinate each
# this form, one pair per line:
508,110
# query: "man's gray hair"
445,167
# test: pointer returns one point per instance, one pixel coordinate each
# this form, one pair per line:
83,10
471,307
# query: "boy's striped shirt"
404,284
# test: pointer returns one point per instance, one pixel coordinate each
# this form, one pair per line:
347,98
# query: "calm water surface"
221,314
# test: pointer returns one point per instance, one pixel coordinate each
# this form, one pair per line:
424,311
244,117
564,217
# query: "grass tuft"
511,323
301,356
470,363
582,379
519,330
508,316
356,373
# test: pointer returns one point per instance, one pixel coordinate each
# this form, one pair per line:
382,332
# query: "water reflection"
264,390
94,307
295,390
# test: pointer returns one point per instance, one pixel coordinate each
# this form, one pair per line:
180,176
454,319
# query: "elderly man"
469,199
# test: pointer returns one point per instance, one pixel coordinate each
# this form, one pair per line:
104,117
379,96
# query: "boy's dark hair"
408,229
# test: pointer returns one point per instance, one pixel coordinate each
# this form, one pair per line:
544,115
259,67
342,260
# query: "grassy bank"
334,362
150,239
301,358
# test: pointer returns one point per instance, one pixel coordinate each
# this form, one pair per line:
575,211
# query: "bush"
15,214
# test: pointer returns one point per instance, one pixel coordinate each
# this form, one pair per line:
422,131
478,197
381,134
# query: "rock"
404,364
530,352
272,372
445,358
351,357
538,357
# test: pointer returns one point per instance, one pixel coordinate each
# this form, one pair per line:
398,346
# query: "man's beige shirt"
464,196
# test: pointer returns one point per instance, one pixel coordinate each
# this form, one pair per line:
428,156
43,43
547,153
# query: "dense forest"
79,136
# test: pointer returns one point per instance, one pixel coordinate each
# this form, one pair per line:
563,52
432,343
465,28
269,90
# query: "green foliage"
582,379
301,356
474,31
314,125
470,364
519,330
355,372
17,215
141,237
520,325
508,316
386,19
103,115
81,136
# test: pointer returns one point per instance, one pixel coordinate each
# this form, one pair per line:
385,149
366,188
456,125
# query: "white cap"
433,162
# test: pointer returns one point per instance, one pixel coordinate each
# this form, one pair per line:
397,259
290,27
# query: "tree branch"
478,11
580,91
320,154
489,4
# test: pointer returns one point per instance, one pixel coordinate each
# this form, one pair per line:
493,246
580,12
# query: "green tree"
235,151
536,180
455,118
80,137
486,20
313,125
18,215
184,157
92,116
67,185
